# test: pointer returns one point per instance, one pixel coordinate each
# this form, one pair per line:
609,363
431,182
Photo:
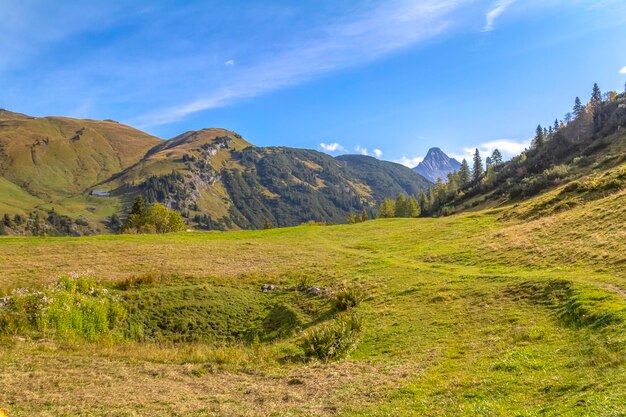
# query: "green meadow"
486,313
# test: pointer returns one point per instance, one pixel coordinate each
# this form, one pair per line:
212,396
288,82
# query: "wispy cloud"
377,153
367,35
410,162
622,71
508,148
499,7
331,147
230,63
360,150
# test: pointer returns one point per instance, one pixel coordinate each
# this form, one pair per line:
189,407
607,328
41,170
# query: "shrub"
334,340
347,298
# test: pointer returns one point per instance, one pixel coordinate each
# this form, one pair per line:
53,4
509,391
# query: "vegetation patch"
72,308
333,340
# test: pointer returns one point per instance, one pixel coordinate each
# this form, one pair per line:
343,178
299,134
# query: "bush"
333,340
347,298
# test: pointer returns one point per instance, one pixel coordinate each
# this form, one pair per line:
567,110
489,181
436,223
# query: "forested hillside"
65,176
590,139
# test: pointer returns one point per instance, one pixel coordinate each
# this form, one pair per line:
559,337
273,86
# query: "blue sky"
391,78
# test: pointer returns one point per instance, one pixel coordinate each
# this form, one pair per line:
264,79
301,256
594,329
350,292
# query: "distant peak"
437,165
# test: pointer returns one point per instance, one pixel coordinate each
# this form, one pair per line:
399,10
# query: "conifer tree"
387,208
596,103
413,208
364,216
464,173
578,108
539,137
556,126
422,200
496,157
402,208
477,170
567,118
488,162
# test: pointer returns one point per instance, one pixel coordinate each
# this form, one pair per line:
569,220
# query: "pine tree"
556,126
402,209
596,103
413,208
387,208
596,95
539,137
477,169
579,110
139,206
488,162
496,157
364,216
464,173
568,118
422,200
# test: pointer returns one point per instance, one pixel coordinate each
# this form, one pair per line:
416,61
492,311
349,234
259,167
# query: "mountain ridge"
437,165
90,170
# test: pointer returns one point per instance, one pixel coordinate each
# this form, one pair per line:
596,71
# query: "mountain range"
92,170
437,165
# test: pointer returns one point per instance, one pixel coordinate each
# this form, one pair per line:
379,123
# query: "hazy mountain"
436,165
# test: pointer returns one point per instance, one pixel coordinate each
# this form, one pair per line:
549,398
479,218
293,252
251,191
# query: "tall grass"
73,307
333,340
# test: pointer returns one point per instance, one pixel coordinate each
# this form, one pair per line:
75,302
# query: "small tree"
364,216
539,138
402,209
464,173
579,109
496,157
422,200
387,208
477,170
413,207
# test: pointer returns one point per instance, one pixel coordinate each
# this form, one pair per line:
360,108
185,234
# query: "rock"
318,291
268,287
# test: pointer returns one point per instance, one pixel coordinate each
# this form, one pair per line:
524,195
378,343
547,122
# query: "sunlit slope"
55,156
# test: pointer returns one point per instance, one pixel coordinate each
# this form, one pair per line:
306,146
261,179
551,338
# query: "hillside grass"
470,315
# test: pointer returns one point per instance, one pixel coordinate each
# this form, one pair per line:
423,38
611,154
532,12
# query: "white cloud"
410,162
361,37
331,147
494,13
508,148
377,153
230,63
362,151
622,71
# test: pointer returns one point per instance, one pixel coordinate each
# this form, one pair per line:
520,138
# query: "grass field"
476,314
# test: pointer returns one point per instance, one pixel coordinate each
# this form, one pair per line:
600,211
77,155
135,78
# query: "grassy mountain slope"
213,176
219,180
56,157
496,312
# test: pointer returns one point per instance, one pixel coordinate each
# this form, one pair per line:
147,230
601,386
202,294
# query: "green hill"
213,176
